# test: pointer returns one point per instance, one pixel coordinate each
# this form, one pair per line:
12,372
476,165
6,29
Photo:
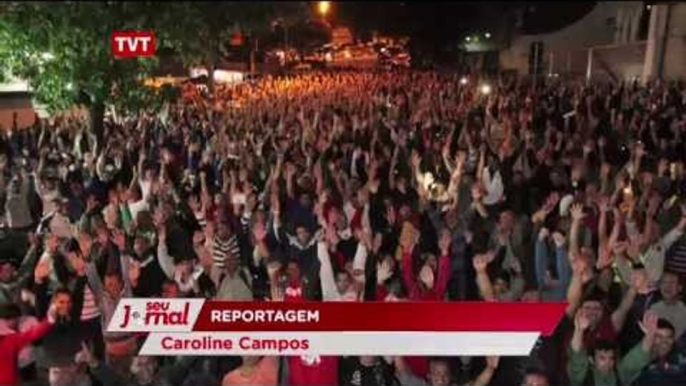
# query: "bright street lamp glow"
464,80
487,35
324,7
468,39
485,89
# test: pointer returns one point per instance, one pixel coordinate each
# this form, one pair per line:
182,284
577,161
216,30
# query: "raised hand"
577,212
42,270
649,323
492,362
604,203
605,259
273,268
480,263
426,275
384,271
581,321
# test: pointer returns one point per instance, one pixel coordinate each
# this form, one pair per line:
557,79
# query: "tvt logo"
131,44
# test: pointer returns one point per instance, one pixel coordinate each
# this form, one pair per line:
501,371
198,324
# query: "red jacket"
11,344
415,292
323,372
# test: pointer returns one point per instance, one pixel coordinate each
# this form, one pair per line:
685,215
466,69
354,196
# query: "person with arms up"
603,368
12,342
440,374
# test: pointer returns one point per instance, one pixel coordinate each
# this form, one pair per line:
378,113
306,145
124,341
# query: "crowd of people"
354,186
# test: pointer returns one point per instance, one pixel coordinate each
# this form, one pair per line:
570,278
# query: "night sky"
447,20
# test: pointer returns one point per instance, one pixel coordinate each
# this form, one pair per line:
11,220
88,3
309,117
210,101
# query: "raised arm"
577,366
28,265
485,377
483,281
631,365
165,260
408,277
33,334
619,315
326,275
575,290
577,213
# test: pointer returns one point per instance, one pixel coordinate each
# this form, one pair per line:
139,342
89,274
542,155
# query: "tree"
63,50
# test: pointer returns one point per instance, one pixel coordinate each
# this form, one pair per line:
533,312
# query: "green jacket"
627,369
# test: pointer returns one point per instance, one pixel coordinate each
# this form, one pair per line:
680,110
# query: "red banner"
386,316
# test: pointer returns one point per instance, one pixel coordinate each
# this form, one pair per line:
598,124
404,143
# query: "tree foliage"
63,49
212,24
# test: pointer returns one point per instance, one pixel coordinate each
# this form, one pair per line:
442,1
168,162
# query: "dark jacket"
353,373
670,372
63,341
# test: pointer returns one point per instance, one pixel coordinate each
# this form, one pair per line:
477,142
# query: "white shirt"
494,187
137,207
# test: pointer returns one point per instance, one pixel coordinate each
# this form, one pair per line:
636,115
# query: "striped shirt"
676,257
246,223
222,249
90,309
200,218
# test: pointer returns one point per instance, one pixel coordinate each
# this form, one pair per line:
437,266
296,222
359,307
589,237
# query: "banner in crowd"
201,327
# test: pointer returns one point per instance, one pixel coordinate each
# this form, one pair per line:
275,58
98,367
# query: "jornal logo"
131,44
157,313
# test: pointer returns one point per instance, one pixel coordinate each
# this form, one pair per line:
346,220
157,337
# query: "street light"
324,7
464,80
486,89
487,35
